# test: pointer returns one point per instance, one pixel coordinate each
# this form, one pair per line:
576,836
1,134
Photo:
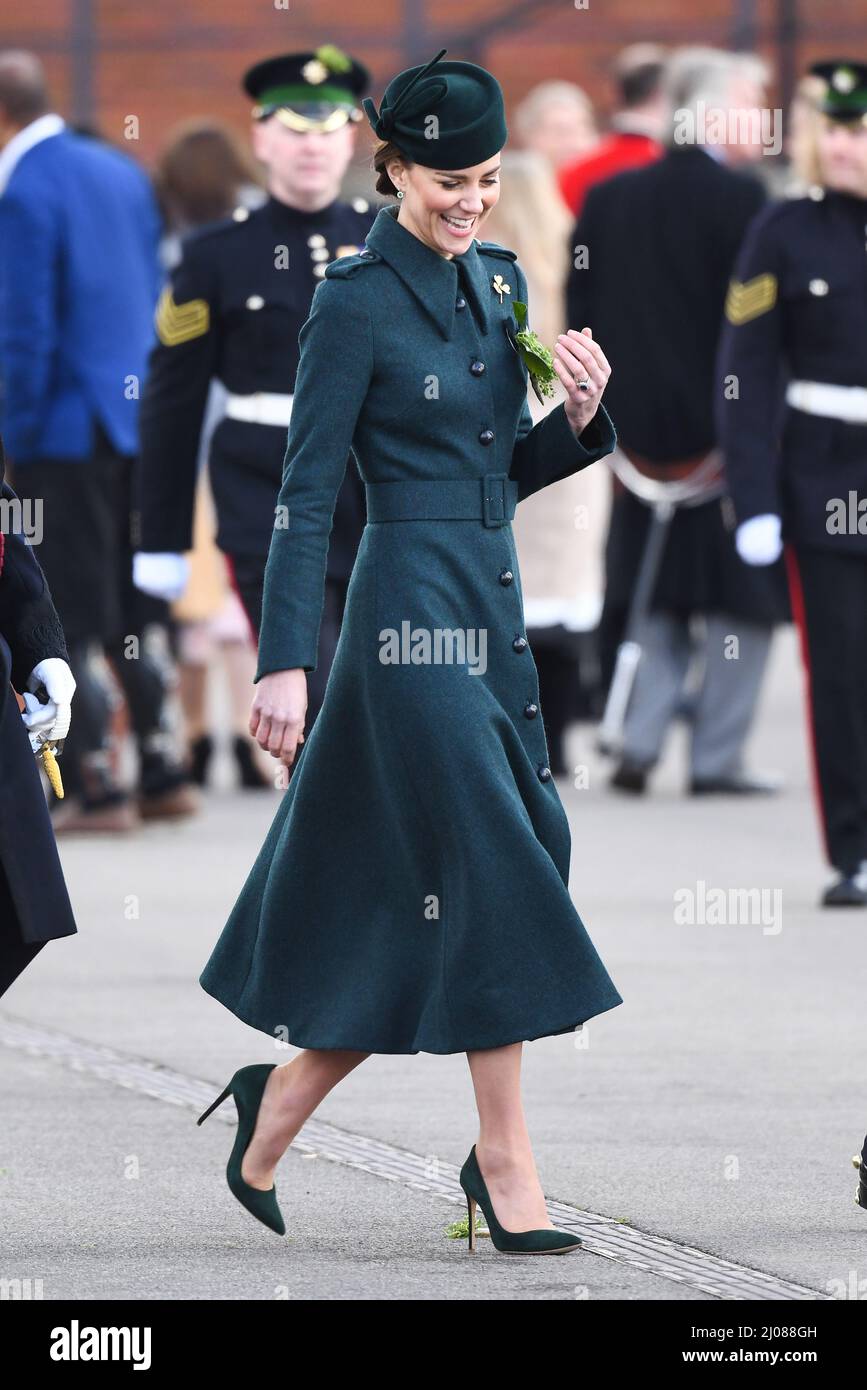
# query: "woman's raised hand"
278,713
577,358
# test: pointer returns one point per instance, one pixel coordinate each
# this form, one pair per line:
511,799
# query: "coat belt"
491,499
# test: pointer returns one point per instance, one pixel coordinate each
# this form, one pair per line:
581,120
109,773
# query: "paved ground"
719,1107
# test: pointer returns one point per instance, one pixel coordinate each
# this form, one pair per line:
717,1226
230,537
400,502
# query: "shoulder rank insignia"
748,299
179,323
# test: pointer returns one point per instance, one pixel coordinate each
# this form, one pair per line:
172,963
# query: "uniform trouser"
86,552
725,704
15,954
829,604
248,576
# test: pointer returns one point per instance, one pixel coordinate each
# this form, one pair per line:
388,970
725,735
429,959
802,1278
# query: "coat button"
486,437
530,710
543,772
460,302
477,368
519,644
505,576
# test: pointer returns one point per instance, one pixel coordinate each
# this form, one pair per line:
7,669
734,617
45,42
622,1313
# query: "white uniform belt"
822,398
261,408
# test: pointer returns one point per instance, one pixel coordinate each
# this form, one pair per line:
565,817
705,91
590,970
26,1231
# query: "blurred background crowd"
163,346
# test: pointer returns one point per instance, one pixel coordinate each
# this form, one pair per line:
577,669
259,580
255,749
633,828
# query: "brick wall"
165,60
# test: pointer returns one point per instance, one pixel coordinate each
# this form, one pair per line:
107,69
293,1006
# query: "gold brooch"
500,286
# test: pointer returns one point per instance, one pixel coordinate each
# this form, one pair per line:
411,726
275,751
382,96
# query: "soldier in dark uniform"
797,318
34,903
233,310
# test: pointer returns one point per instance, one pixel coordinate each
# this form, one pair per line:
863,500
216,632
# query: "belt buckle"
494,499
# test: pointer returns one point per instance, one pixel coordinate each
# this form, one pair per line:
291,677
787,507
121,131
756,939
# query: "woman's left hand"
577,358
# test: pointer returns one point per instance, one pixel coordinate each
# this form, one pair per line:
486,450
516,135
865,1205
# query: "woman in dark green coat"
412,893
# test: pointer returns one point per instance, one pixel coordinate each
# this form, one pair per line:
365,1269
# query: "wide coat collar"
435,280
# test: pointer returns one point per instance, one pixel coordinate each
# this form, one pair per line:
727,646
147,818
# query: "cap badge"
314,71
844,80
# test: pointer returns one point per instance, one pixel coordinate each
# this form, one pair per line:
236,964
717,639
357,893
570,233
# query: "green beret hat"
845,94
465,102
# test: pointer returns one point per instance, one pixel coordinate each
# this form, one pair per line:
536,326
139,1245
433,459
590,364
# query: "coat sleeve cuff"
552,451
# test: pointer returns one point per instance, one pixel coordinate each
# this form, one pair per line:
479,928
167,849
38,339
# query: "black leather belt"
491,500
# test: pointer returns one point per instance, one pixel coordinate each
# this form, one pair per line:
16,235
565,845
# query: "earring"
400,193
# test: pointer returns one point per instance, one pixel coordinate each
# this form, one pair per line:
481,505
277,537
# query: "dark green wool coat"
412,892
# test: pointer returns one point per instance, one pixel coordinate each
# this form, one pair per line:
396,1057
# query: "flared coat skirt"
412,892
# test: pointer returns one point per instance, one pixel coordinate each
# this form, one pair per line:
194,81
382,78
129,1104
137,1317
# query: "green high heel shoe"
547,1241
247,1086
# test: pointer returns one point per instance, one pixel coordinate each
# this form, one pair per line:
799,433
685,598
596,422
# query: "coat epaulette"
491,248
345,266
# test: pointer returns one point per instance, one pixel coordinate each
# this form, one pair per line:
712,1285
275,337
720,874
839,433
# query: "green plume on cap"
333,57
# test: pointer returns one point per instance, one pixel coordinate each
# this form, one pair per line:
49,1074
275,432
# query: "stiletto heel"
547,1241
471,1219
218,1101
248,1087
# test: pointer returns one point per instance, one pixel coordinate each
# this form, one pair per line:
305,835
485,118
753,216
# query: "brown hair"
201,171
385,151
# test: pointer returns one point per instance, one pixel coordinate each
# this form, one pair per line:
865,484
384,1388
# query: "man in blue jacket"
79,278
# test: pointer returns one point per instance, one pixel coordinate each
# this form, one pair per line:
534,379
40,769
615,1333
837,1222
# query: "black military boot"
850,890
165,789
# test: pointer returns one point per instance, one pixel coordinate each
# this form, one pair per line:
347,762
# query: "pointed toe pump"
547,1241
247,1086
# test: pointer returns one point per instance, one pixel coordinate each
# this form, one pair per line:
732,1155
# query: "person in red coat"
633,139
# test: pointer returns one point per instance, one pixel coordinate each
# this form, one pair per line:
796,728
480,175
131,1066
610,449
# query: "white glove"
51,720
162,576
758,540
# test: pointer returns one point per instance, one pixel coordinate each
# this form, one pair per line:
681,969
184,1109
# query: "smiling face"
445,208
843,155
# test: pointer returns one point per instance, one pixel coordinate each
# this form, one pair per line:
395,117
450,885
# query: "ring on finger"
582,385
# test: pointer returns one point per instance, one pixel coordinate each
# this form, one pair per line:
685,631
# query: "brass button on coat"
519,644
505,576
486,437
544,772
531,710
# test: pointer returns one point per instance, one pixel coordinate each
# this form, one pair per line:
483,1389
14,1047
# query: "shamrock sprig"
538,359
